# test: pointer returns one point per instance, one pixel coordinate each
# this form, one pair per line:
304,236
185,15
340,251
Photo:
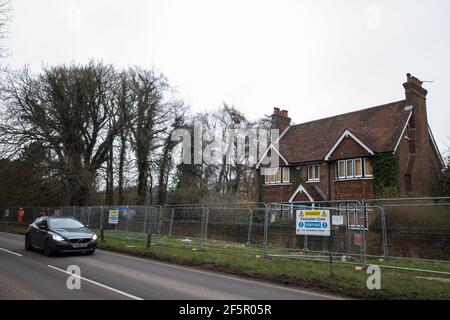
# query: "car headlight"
94,237
57,238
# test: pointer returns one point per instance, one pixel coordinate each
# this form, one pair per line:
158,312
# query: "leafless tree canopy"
94,134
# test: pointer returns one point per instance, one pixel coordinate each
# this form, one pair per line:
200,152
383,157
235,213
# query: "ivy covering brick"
386,172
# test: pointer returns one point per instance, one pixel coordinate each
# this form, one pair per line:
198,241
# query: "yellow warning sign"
311,213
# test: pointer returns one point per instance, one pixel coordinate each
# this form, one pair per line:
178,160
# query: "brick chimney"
280,119
416,96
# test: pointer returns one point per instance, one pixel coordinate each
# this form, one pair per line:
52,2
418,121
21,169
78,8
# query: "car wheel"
28,245
48,252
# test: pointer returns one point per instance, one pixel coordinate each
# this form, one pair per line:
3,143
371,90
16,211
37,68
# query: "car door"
34,231
41,233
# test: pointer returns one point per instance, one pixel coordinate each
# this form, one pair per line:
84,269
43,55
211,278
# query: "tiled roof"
379,128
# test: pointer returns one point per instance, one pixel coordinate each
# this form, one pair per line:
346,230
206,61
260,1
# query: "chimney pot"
411,79
280,119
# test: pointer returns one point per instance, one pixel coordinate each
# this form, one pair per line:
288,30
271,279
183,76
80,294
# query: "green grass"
301,273
13,228
240,260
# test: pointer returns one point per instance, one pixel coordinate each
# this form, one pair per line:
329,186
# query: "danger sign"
113,217
313,223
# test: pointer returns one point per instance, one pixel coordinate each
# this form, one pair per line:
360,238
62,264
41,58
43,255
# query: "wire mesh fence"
400,228
417,228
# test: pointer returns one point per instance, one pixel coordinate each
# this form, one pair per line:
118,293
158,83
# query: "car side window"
42,222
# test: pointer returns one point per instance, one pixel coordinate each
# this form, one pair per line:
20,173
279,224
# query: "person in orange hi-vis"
20,215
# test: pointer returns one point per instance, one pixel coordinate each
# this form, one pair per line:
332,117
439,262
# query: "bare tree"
166,160
147,89
70,110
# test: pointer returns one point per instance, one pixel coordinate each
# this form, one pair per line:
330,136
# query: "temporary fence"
386,228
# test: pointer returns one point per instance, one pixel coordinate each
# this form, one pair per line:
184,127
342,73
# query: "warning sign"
313,223
113,217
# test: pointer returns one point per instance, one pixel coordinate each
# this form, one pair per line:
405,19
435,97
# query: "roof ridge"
344,114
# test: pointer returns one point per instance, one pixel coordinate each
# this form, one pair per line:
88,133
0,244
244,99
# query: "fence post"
350,228
171,222
266,227
149,237
383,226
305,244
101,216
160,225
202,228
89,216
249,232
366,225
102,234
362,234
330,245
205,232
145,219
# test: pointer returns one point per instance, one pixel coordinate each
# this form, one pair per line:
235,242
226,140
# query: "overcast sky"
314,58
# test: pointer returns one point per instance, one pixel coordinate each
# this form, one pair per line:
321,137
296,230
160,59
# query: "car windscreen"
65,223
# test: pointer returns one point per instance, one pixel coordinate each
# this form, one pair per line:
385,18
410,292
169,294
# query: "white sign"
113,217
337,220
313,223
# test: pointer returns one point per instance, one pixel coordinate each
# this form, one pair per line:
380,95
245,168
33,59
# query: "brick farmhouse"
365,154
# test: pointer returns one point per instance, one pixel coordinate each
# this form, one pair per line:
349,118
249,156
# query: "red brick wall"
353,189
277,193
349,148
301,197
323,184
426,170
349,189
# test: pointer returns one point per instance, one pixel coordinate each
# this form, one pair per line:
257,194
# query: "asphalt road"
105,275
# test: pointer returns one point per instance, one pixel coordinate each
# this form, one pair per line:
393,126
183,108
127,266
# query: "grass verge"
345,280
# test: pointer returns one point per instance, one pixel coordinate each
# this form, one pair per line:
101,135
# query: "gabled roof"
378,128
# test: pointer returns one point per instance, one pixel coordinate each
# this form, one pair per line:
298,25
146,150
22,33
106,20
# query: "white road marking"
97,284
11,252
210,273
228,277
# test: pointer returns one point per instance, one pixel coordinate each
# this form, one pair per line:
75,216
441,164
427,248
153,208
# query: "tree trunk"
122,168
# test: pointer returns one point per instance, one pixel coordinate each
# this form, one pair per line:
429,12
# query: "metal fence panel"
416,228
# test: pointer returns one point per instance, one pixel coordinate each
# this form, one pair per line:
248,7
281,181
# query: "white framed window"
354,168
313,173
341,173
349,168
358,168
270,175
368,170
286,175
277,175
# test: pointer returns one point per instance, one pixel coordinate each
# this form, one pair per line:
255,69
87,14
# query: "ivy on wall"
386,174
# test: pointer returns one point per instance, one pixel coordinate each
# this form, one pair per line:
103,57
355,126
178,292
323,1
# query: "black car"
56,235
